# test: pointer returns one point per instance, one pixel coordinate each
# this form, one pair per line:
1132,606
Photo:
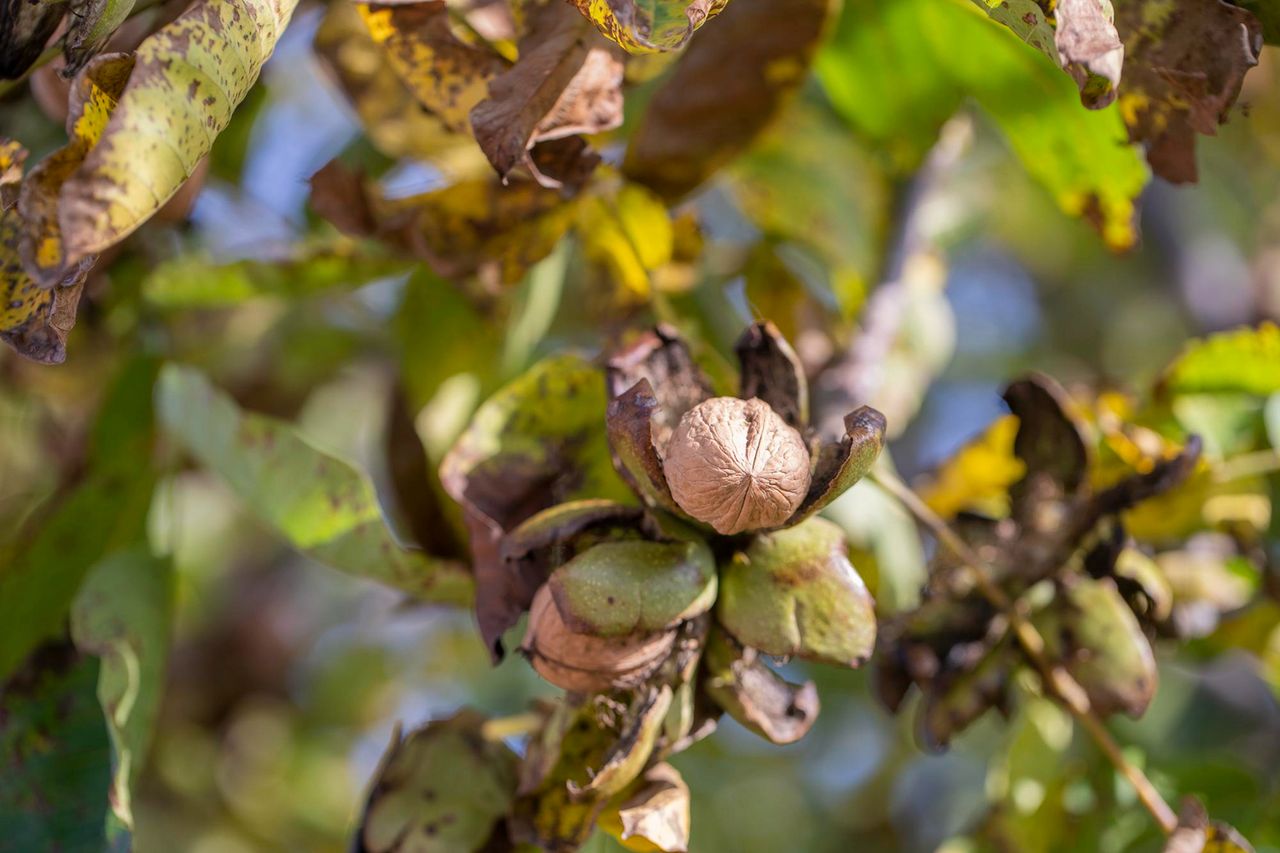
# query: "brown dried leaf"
1185,64
655,811
726,88
567,80
756,696
660,356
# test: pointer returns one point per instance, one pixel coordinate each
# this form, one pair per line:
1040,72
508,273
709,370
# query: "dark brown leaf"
566,81
1184,65
730,83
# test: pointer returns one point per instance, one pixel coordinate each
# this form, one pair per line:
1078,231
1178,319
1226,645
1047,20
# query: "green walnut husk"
794,593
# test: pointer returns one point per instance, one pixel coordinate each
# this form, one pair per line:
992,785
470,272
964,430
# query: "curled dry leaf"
443,787
756,696
34,320
1185,64
567,80
724,91
736,465
645,27
654,814
139,126
25,28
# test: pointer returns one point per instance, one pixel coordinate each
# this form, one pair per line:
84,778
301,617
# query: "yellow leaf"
978,477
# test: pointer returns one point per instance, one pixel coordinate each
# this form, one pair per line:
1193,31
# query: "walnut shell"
737,465
586,663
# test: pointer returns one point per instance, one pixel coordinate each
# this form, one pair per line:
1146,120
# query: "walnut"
736,465
586,663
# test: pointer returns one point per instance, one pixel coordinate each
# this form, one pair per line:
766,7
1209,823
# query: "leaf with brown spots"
390,115
567,80
1078,34
1186,61
444,787
651,25
473,227
35,321
320,504
139,126
447,76
724,91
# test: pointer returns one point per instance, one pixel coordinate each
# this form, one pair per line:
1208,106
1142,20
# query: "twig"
1059,682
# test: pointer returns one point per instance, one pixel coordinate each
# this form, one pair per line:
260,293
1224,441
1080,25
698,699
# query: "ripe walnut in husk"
737,465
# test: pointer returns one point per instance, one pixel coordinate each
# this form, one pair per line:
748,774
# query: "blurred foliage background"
286,679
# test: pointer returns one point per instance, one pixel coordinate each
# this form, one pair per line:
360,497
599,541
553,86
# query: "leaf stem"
1059,682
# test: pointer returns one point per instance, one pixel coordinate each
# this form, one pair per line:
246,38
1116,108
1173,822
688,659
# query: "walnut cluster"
737,465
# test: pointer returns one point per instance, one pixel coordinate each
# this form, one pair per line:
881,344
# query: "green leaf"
55,756
442,789
139,126
645,26
320,504
794,592
192,280
123,614
1245,361
105,512
893,71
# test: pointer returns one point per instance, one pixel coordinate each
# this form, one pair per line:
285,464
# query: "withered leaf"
34,320
771,370
662,357
651,25
756,696
392,118
567,80
655,811
139,127
1185,64
447,76
25,28
724,91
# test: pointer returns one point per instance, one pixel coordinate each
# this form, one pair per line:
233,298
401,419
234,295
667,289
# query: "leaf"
1094,632
537,442
1243,361
1078,34
445,787
25,28
977,477
476,226
93,22
139,126
654,814
320,504
723,92
893,72
123,614
626,230
447,76
34,320
55,756
794,592
193,280
391,117
566,80
646,26
1185,64
106,511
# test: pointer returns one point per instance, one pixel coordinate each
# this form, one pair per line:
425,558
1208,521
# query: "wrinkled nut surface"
585,663
737,465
